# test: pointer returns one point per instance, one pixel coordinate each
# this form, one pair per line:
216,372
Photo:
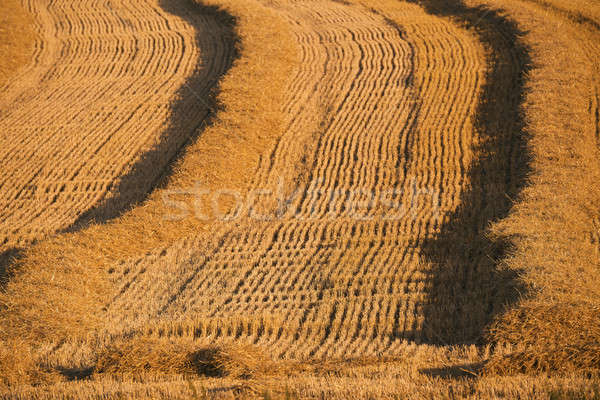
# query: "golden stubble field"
411,189
16,39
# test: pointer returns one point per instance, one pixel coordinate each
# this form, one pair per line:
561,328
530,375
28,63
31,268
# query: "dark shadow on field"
469,287
454,371
8,259
191,113
75,374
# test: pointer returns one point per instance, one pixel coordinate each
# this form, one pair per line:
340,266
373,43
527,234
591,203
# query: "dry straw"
493,104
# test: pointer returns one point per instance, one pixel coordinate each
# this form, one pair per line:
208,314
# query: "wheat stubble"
323,283
95,101
384,96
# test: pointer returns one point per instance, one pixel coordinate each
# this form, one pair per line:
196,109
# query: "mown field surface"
17,39
69,148
420,214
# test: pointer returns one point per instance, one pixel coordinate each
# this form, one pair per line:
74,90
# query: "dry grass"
379,381
112,143
495,108
320,283
154,356
549,337
17,38
61,284
554,225
19,364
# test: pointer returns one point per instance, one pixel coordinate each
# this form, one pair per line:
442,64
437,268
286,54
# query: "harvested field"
98,107
391,198
326,281
16,39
